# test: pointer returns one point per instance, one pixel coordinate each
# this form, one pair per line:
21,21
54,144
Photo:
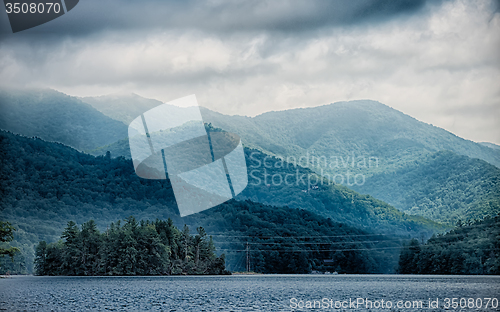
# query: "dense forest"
442,186
266,184
157,248
326,198
473,247
134,248
45,184
284,240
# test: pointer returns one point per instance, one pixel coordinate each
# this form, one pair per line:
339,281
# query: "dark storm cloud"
91,16
434,60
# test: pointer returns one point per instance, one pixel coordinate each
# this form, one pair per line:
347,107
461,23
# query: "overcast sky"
437,61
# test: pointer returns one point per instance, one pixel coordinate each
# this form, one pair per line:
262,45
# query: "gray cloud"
93,16
436,61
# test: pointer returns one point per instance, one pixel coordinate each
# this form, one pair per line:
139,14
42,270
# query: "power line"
320,236
325,250
306,250
350,249
313,243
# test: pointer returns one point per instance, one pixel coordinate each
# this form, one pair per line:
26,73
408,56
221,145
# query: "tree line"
472,247
129,248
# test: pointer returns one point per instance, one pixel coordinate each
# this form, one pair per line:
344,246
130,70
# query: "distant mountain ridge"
55,116
339,132
364,131
363,127
122,107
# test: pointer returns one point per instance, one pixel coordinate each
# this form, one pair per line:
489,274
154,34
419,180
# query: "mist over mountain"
391,150
335,132
54,116
341,140
122,107
361,128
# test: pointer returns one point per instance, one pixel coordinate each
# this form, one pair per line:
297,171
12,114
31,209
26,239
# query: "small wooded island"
131,248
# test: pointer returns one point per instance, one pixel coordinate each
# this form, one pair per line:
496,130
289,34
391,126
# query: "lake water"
247,293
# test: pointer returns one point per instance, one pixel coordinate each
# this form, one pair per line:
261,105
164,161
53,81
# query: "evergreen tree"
136,248
7,235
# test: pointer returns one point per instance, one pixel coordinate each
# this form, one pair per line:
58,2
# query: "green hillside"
386,150
278,183
267,185
54,116
442,186
471,248
43,185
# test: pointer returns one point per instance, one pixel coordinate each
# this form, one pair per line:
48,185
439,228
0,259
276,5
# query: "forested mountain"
54,116
347,138
122,107
43,185
364,128
361,128
442,186
471,248
273,181
394,153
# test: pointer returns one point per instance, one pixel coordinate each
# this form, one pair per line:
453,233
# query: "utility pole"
248,260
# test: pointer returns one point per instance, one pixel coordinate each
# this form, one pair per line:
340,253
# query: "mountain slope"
275,182
443,186
54,116
40,176
43,185
122,107
363,128
490,145
369,141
